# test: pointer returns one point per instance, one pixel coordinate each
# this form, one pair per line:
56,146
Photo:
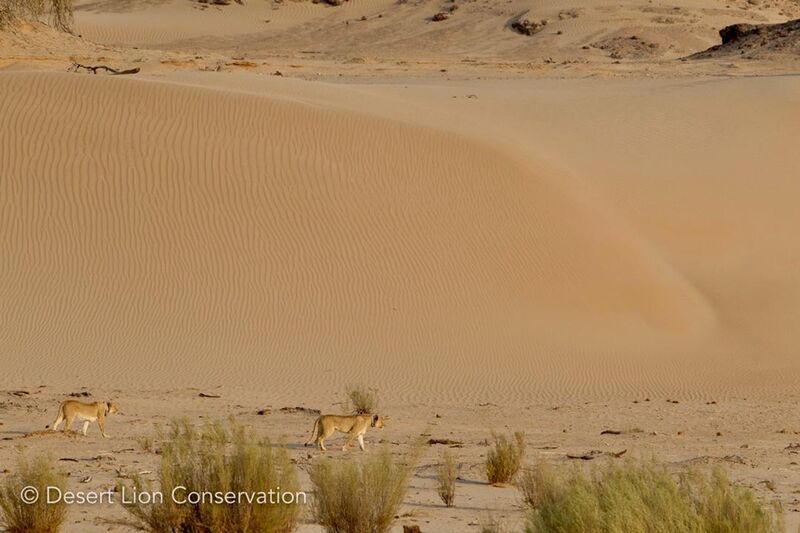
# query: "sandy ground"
557,233
754,439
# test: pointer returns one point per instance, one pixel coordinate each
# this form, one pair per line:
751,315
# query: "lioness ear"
375,418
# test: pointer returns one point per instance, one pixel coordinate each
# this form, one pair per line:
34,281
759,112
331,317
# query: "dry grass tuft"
353,496
491,524
505,459
361,400
145,442
641,496
447,475
217,458
725,507
17,516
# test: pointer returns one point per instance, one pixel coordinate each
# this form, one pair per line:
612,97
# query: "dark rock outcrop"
733,33
527,26
756,41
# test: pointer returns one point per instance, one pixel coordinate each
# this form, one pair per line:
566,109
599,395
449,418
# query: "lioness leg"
351,436
59,419
85,427
361,442
101,421
68,423
324,433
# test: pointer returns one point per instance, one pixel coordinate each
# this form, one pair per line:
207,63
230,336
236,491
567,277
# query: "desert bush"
216,458
505,459
539,485
491,524
359,497
728,508
17,516
5,15
640,497
361,400
145,443
60,11
61,14
447,474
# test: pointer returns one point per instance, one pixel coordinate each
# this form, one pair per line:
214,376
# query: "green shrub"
640,497
361,400
17,516
215,458
447,475
358,497
505,459
728,508
540,485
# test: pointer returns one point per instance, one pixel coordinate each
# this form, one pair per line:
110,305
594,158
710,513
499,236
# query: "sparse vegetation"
16,516
359,497
505,459
361,400
218,459
145,443
61,14
725,507
537,485
447,475
60,11
490,524
641,496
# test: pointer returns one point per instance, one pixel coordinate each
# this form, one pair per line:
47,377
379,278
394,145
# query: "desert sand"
563,233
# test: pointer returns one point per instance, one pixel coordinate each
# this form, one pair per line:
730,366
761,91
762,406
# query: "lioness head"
377,421
111,407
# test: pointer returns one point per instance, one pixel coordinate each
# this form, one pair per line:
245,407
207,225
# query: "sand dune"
197,235
565,233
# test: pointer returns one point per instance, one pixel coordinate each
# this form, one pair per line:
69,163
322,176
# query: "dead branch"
446,442
76,67
594,454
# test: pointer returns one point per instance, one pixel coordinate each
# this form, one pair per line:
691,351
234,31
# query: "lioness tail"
313,433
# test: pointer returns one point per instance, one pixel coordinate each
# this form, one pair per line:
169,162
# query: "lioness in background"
69,410
355,426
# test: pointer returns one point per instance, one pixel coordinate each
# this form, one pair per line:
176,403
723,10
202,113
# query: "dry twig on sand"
594,454
77,67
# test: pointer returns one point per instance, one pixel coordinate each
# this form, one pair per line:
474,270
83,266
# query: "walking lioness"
69,410
355,426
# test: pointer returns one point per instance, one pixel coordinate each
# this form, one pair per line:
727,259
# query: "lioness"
69,410
355,426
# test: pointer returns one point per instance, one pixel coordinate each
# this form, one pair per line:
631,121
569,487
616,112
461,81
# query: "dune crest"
226,232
